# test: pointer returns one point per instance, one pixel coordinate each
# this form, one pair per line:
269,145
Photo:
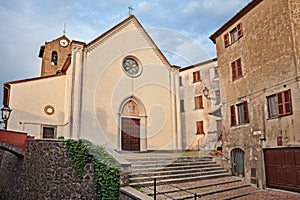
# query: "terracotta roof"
234,19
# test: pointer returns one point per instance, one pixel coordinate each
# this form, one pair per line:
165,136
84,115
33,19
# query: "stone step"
176,176
212,194
160,159
174,171
168,168
160,165
178,180
186,188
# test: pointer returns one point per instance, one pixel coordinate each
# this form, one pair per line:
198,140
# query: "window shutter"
200,129
226,40
198,102
232,115
239,68
287,102
246,113
196,76
180,81
240,30
280,104
233,70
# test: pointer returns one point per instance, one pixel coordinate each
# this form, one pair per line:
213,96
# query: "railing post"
154,188
195,195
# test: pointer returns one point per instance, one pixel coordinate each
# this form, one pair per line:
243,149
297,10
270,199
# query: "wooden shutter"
287,102
180,81
284,103
232,115
226,40
280,104
200,129
240,30
198,102
196,76
246,113
233,70
239,68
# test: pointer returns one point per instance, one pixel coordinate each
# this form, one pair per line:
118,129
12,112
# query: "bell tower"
54,55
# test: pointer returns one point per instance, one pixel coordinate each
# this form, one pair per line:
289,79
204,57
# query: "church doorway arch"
132,125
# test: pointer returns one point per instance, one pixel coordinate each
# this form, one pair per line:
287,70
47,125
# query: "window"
218,97
181,105
242,114
236,69
235,34
216,72
180,81
48,132
272,106
198,102
199,126
54,58
280,104
196,76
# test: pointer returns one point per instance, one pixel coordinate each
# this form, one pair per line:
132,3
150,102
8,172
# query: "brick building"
259,63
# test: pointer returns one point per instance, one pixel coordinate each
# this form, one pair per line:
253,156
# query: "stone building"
258,52
117,90
200,105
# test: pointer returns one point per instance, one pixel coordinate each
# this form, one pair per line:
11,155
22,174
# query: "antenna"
64,31
130,9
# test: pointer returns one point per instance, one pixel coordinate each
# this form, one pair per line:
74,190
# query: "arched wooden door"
237,162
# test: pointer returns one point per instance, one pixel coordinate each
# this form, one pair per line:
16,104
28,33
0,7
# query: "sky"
181,29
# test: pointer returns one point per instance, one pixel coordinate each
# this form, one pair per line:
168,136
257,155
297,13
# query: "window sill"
240,125
237,78
197,81
200,134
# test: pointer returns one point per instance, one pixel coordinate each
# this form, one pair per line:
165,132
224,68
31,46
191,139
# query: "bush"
106,171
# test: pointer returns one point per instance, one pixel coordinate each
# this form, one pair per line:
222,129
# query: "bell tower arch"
54,55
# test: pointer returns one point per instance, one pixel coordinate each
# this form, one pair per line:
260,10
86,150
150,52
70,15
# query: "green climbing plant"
106,171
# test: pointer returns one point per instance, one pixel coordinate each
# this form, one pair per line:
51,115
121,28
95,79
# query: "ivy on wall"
106,171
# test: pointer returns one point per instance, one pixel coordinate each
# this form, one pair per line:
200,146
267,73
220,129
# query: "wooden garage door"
283,168
130,134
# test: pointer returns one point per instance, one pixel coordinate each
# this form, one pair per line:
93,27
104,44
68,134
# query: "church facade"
118,90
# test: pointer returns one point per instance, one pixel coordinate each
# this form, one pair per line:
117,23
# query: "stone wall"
44,173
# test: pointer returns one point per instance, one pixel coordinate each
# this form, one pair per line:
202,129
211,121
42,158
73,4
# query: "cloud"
25,25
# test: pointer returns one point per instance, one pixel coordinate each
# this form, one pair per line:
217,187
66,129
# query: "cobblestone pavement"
271,194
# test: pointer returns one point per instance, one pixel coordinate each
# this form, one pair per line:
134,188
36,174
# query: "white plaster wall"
189,117
106,86
28,100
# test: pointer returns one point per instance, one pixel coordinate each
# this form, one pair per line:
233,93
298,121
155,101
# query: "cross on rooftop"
130,9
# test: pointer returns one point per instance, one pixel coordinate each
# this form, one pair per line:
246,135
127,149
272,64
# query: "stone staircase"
185,177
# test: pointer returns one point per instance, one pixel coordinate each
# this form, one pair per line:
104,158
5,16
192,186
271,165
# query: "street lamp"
5,111
205,92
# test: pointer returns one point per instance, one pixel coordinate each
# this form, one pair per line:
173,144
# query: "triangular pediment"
122,26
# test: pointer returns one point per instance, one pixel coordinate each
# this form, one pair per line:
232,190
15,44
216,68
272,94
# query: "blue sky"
180,28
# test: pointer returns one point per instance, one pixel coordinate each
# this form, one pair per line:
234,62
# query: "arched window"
54,58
